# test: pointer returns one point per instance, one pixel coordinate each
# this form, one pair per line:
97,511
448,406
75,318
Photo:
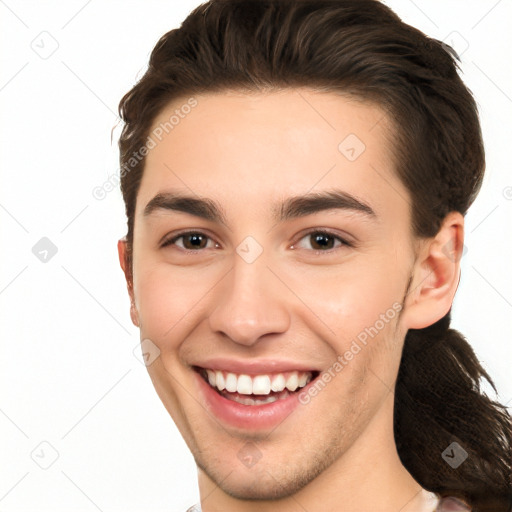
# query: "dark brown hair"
360,48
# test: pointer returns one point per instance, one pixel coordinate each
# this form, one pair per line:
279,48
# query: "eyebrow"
300,206
291,208
199,207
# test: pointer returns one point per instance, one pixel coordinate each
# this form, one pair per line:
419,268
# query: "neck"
368,476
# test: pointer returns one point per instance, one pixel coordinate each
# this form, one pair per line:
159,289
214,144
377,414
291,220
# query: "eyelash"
172,241
343,242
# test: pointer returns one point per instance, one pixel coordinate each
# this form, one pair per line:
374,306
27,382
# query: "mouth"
256,390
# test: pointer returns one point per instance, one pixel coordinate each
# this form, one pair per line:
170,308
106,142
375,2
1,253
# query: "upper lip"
253,366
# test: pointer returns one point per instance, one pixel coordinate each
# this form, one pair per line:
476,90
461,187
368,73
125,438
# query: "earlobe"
123,261
134,315
436,274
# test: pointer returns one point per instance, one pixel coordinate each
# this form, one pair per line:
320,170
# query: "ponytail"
438,402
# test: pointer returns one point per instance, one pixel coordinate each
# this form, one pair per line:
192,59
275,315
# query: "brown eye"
322,241
191,241
194,241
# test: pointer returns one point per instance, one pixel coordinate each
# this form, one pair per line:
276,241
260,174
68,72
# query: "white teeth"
259,384
244,385
221,383
293,381
279,383
254,401
211,377
231,382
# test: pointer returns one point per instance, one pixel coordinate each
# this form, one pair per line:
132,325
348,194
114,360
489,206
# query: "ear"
436,274
122,250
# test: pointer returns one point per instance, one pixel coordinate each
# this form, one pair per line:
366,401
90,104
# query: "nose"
250,302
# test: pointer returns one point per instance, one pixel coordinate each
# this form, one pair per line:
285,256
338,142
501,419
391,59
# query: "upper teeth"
257,384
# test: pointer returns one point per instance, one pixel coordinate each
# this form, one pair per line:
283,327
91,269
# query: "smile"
256,389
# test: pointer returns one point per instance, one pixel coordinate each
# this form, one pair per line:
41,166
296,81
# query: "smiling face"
271,236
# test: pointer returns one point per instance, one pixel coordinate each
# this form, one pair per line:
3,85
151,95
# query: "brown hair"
361,48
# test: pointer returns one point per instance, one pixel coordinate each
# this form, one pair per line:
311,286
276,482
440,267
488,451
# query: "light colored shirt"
444,505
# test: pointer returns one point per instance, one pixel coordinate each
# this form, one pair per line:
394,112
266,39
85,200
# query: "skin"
249,152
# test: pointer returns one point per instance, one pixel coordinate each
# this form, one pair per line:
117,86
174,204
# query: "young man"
295,225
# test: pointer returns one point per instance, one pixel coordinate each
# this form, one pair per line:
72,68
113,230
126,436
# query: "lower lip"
248,417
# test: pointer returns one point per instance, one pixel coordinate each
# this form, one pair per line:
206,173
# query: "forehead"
260,147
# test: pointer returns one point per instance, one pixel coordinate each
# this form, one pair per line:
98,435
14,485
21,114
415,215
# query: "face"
272,252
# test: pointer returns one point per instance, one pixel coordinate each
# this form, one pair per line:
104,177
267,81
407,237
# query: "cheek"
356,312
168,300
350,300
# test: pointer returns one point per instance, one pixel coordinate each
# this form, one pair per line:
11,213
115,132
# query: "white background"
69,377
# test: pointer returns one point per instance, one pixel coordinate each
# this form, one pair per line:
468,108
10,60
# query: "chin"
263,482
